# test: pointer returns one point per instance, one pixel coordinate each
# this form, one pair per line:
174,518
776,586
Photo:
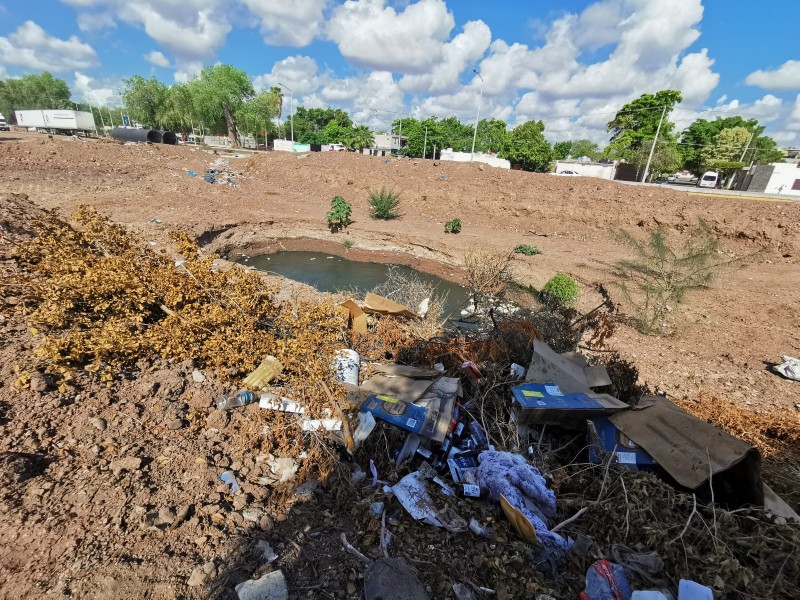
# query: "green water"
329,273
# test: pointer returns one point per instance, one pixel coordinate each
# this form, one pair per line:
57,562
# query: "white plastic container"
347,365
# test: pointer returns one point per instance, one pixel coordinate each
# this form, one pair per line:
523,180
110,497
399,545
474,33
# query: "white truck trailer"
57,121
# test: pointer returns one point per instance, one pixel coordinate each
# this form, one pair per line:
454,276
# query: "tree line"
222,99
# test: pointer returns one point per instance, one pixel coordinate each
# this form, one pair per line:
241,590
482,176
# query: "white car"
567,173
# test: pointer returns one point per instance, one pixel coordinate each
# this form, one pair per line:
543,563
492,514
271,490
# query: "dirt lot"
80,523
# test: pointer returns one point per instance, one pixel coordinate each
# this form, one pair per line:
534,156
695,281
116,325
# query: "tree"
177,111
729,145
360,137
31,92
309,123
218,94
700,134
492,136
528,147
145,99
585,148
256,114
561,150
636,122
666,158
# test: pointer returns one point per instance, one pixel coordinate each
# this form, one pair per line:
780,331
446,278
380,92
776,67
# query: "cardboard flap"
357,318
689,448
519,522
440,400
379,304
571,377
395,370
404,388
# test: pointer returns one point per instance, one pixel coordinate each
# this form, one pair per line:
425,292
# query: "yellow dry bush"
103,300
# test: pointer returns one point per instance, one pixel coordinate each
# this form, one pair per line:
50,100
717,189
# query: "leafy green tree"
666,159
729,145
492,136
145,99
336,133
256,114
177,111
528,147
31,92
700,134
636,122
218,95
452,133
310,123
360,137
561,150
585,148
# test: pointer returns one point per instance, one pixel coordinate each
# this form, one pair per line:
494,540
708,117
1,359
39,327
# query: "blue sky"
571,63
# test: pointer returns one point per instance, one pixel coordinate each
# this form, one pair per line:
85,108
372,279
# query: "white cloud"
96,21
191,30
87,89
187,71
372,99
31,47
294,23
299,73
372,35
157,58
785,77
793,123
464,49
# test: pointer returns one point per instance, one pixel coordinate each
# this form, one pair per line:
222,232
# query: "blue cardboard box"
394,411
627,452
544,403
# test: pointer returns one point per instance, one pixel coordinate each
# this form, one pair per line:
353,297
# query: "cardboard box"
399,413
545,403
570,371
611,439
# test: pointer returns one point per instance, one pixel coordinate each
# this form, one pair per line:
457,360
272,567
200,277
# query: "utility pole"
655,141
291,109
477,114
425,144
741,160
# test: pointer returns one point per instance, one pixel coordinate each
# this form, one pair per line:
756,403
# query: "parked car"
710,179
661,180
567,173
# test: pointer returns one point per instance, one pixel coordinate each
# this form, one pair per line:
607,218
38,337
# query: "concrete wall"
784,176
283,145
488,159
587,169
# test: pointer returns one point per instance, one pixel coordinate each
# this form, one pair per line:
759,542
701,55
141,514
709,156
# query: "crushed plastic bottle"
243,398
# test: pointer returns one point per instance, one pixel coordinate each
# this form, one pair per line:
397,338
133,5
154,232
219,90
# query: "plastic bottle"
467,490
241,399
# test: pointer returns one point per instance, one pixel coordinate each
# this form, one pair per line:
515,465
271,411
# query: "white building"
587,168
774,178
488,159
386,144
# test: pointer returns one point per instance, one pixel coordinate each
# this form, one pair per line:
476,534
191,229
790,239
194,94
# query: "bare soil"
76,522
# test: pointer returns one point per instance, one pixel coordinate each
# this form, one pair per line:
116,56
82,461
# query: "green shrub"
339,215
348,243
384,204
562,290
453,226
527,250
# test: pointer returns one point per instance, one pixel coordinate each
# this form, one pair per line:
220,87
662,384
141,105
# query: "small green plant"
560,291
527,250
453,226
384,204
655,281
339,215
348,243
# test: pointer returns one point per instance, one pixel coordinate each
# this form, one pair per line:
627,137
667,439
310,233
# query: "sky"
569,63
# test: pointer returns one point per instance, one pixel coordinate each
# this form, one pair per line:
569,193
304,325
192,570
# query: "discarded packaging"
517,371
546,403
268,370
378,304
689,590
346,365
789,368
570,371
399,413
606,581
243,398
357,318
366,423
611,439
412,493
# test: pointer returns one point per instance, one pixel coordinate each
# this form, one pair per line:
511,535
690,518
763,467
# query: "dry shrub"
411,291
488,274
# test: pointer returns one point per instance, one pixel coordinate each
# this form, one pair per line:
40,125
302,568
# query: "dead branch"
352,550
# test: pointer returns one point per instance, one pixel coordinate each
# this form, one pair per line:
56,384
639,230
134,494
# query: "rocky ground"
113,492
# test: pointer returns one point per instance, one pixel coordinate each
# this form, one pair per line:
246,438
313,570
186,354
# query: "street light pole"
425,144
291,108
477,115
653,147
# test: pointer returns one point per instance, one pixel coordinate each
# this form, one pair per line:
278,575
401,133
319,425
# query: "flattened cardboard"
395,370
394,411
572,376
357,318
440,400
544,403
400,387
519,522
626,451
384,306
689,449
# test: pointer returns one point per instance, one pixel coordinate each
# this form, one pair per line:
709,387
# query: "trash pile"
219,172
445,460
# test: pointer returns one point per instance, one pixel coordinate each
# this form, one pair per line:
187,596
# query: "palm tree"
361,137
